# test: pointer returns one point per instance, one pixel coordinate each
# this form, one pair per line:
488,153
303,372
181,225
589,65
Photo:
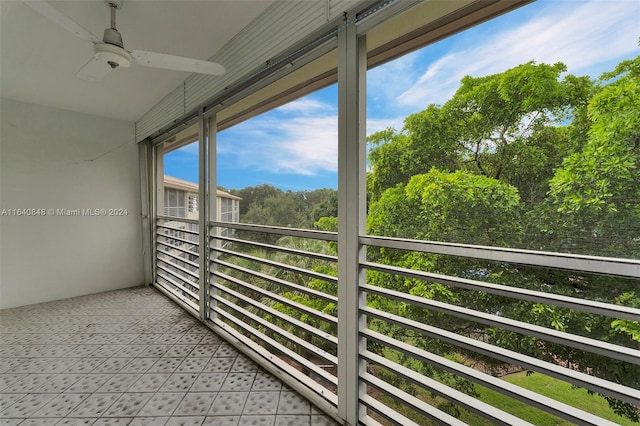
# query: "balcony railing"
175,211
269,290
177,255
422,360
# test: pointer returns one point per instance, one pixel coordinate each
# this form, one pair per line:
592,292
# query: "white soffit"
424,23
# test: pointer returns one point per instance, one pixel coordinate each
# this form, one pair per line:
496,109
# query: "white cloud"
305,106
300,137
377,124
580,34
310,146
298,145
384,81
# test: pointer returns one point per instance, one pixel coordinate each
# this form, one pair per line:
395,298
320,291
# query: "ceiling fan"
109,53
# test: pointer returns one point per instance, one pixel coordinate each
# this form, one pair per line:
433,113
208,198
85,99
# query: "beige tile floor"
132,357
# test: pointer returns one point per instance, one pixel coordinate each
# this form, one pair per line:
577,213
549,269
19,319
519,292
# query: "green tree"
502,126
280,209
254,195
427,140
597,190
525,158
454,207
324,203
267,205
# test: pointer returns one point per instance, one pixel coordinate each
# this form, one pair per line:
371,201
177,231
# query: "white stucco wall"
55,159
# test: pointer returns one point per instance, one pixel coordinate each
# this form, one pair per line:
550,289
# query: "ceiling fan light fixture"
113,55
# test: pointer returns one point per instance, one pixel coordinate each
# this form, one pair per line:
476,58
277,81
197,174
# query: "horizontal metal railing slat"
276,329
567,339
176,275
284,283
398,419
275,264
180,268
278,230
177,219
263,337
171,280
179,259
319,256
470,403
174,247
183,240
422,407
320,315
186,231
329,338
574,377
549,405
275,360
599,265
584,305
177,288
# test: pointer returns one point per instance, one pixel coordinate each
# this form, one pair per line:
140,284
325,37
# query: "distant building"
179,239
181,200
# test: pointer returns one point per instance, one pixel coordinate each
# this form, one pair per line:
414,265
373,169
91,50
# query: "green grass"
536,382
552,388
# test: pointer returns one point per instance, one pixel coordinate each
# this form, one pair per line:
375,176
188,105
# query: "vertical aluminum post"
157,200
146,211
159,177
213,210
351,217
203,159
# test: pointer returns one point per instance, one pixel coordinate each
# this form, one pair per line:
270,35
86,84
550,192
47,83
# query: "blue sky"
294,147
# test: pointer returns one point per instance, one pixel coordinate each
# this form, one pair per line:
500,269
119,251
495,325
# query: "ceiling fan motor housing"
113,55
112,36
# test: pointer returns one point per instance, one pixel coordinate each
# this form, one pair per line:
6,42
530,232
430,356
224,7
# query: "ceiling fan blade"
48,11
176,63
94,70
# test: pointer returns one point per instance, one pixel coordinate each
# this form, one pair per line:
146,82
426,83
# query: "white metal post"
351,216
212,210
159,177
157,200
203,157
147,216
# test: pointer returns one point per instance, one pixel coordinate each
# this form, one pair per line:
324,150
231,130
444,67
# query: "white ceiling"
39,59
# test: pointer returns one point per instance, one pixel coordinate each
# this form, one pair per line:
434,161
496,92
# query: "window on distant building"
226,207
174,202
193,203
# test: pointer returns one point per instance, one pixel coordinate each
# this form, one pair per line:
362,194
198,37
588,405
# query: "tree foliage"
268,205
528,158
598,187
457,207
499,126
